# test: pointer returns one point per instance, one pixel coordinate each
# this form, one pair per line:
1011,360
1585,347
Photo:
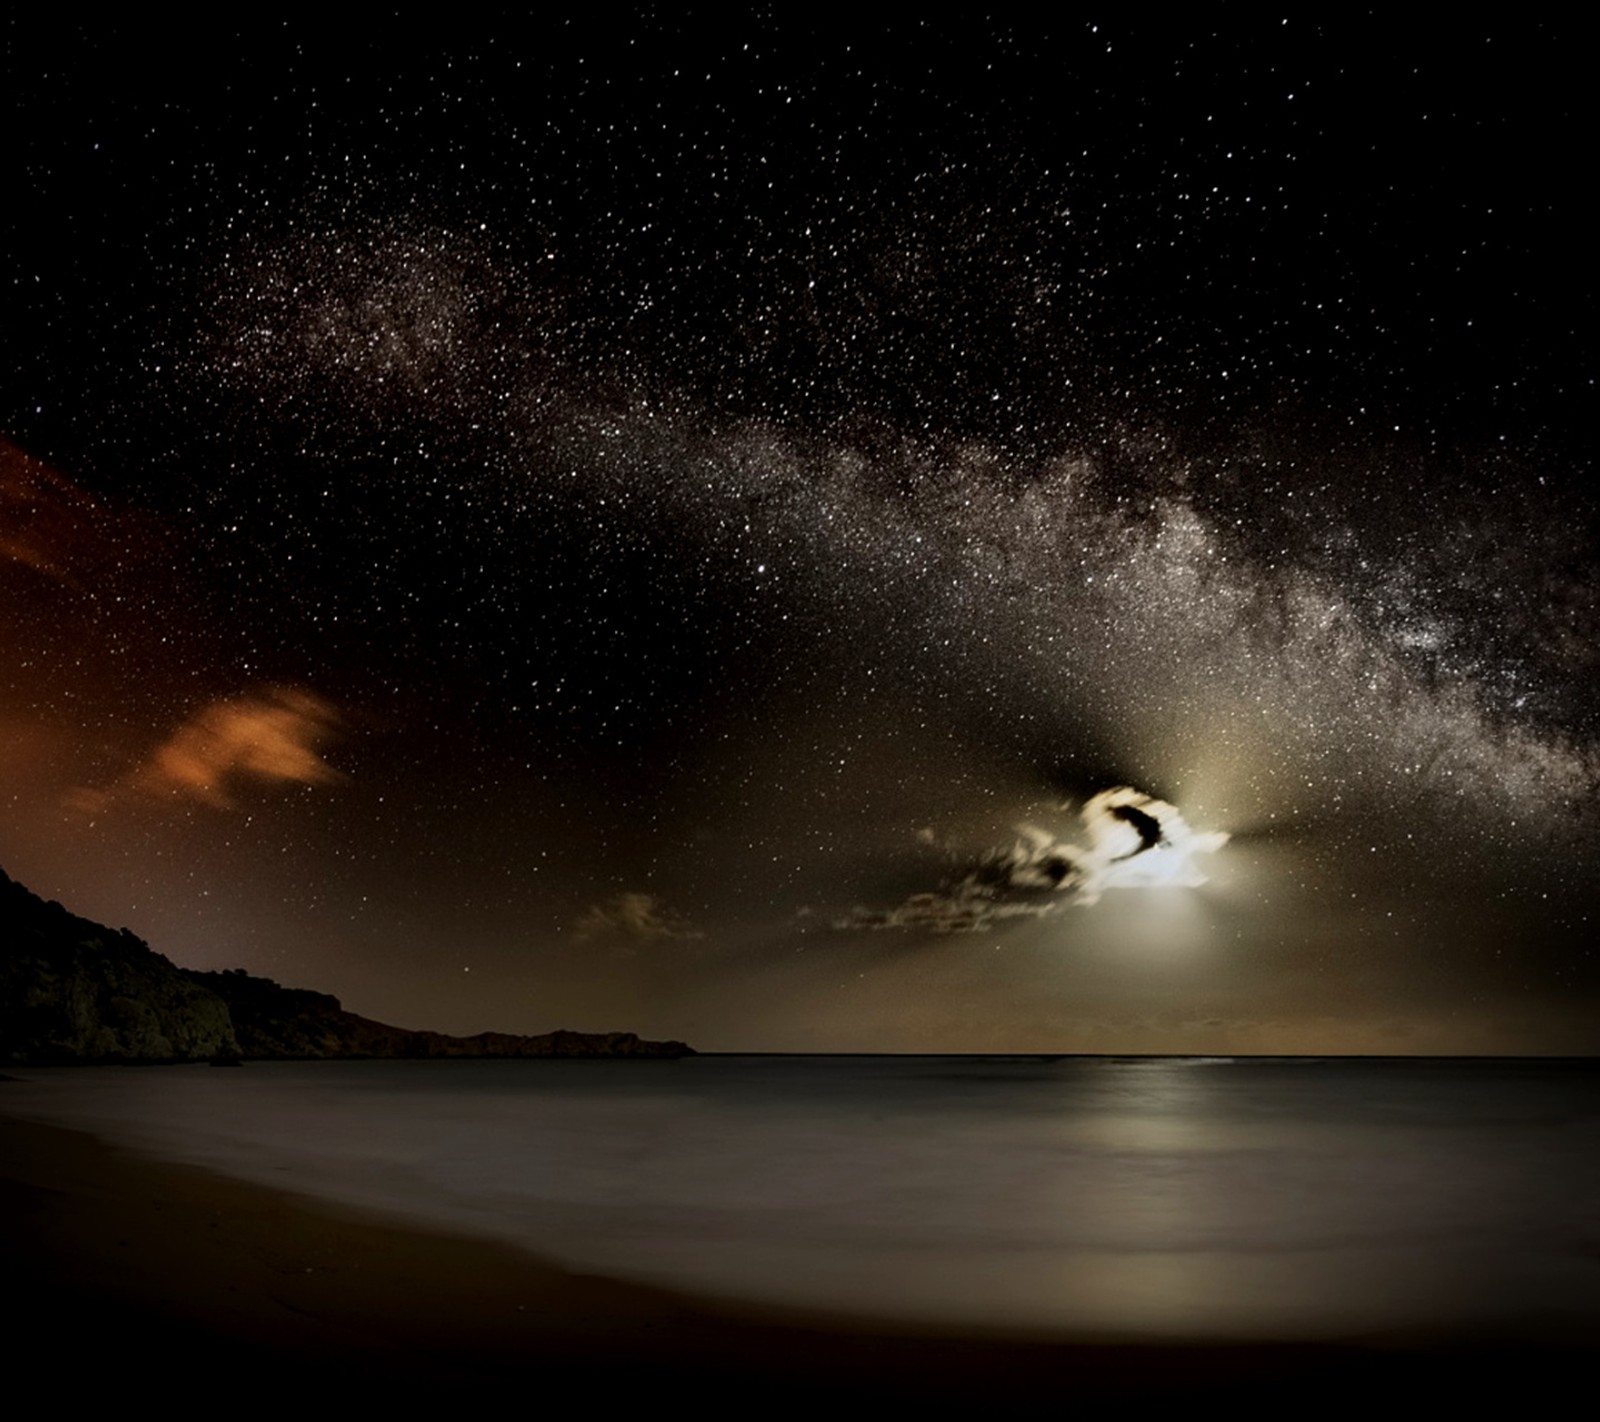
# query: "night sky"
799,536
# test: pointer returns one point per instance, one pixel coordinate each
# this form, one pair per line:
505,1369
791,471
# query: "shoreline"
158,1269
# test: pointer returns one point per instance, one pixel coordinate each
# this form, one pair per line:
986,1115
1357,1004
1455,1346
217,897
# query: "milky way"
590,527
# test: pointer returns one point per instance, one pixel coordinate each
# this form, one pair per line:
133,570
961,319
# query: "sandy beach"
152,1269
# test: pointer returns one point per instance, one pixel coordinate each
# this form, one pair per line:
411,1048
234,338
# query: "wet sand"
167,1277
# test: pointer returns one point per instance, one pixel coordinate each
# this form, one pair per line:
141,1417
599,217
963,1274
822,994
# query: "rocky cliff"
279,1022
75,991
72,990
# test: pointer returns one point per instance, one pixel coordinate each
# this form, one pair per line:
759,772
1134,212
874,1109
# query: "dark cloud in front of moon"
1040,874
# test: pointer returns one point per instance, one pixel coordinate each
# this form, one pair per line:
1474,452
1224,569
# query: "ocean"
1132,1198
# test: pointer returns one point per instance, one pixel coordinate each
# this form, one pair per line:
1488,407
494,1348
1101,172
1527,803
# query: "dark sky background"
670,523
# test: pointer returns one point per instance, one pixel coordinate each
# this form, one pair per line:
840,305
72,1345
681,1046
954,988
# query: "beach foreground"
167,1274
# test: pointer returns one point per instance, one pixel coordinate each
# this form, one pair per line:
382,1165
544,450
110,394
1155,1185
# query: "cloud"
1130,840
1137,841
639,917
273,736
47,523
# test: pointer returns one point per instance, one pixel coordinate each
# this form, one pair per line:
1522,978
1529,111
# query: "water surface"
1126,1197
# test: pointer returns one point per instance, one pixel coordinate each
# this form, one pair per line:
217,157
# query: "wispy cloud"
636,917
1129,840
274,736
45,519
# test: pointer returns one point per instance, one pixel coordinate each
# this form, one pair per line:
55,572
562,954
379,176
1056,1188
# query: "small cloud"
47,523
274,736
639,917
1137,841
1133,841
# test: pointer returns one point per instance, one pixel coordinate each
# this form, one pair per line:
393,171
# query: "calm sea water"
1128,1197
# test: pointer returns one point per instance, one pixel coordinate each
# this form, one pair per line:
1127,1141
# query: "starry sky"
805,534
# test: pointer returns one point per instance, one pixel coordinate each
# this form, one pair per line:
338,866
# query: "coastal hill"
72,990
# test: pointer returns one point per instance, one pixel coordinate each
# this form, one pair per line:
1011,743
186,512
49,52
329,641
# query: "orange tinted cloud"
43,516
276,735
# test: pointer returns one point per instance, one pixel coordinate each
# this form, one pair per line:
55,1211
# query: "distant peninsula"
75,991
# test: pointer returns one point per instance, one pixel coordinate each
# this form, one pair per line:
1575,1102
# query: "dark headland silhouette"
72,990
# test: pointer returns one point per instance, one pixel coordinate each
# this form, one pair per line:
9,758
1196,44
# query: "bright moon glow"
1121,823
1131,840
